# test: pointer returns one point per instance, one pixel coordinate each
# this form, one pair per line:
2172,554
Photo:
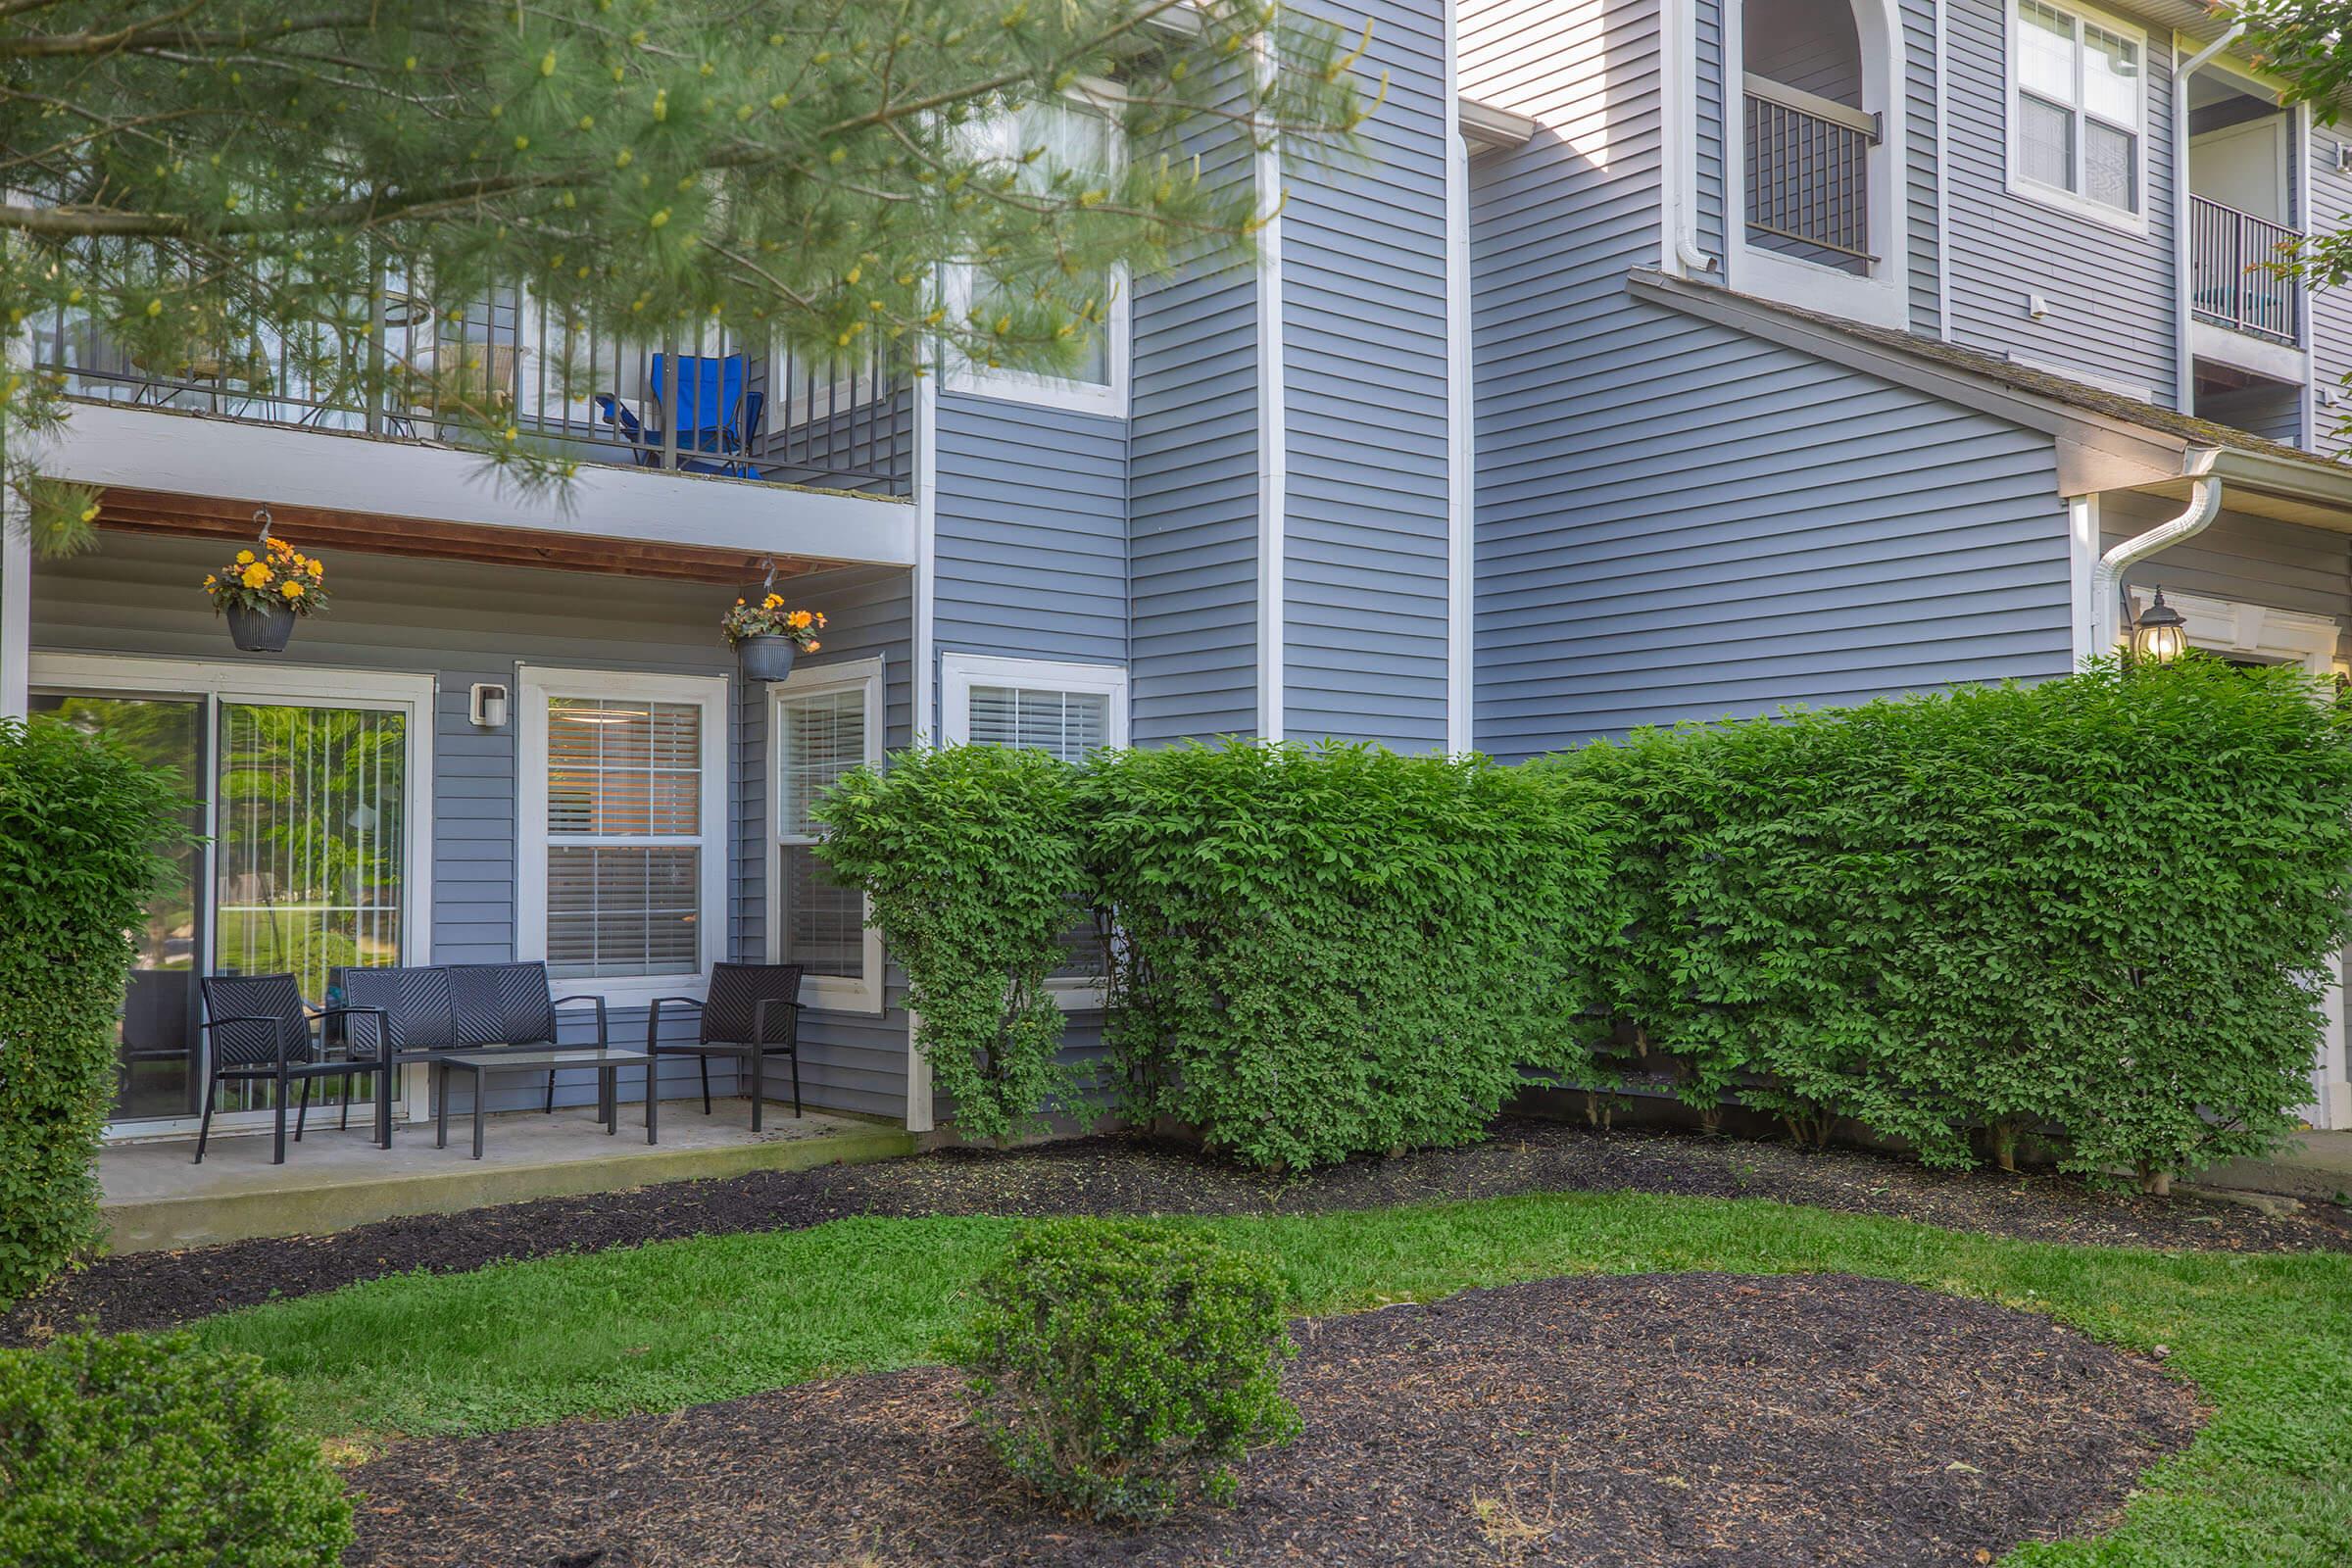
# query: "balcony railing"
709,403
2231,256
1808,170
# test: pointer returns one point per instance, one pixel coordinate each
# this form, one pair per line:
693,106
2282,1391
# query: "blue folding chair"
714,414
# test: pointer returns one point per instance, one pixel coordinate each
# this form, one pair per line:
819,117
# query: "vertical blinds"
625,791
820,737
1066,724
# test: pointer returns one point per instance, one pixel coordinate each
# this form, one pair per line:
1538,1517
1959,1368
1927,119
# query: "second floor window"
1071,136
2079,110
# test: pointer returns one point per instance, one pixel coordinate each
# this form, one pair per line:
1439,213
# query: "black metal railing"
1808,170
2232,275
708,402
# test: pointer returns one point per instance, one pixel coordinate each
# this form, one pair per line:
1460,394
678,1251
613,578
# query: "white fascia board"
147,449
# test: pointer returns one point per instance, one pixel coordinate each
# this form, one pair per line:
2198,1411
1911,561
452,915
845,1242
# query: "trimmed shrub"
2098,907
971,856
81,826
132,1449
1122,1370
1335,950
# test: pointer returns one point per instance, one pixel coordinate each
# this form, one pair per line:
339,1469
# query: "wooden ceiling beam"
372,533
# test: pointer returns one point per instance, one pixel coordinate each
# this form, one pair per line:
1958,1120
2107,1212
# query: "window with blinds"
819,736
1065,724
2081,91
625,837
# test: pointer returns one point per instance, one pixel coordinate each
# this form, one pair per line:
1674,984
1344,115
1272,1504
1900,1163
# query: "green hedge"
80,826
971,856
139,1450
2097,908
1330,949
2096,911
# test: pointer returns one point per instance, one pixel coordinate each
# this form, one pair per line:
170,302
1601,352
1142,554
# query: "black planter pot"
260,631
765,657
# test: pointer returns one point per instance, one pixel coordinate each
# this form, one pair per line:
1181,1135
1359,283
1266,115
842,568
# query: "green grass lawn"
2268,1338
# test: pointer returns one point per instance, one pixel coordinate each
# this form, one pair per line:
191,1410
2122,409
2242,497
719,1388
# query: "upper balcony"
2249,323
709,403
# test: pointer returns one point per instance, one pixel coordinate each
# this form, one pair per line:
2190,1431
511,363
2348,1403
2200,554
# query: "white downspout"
2184,385
1678,101
2107,577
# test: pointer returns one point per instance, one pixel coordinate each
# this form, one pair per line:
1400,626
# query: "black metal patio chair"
258,1029
739,1019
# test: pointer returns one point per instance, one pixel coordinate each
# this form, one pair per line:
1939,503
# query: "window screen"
2078,107
1066,724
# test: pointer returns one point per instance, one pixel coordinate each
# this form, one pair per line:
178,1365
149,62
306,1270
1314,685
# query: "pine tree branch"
157,34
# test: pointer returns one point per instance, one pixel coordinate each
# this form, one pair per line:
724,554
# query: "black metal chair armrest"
598,1003
792,1022
653,1020
683,1002
383,1028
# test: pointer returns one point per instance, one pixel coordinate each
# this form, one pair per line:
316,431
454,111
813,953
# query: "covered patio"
156,1199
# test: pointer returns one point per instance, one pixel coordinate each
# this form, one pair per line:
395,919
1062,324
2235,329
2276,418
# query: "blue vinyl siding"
466,623
1364,369
2110,291
1031,553
2331,308
1921,106
1193,457
1781,531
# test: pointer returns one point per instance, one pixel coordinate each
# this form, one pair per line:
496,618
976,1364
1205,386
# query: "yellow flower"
820,620
244,558
292,589
799,619
209,580
739,601
772,602
258,575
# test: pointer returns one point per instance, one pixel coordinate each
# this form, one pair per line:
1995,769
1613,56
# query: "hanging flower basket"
263,592
769,635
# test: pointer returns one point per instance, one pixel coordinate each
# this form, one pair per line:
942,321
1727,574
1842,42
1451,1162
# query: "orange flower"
813,647
799,619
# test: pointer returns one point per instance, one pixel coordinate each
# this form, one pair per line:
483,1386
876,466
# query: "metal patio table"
606,1060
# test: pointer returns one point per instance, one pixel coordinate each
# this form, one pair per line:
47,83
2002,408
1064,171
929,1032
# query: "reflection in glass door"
309,813
307,809
156,1052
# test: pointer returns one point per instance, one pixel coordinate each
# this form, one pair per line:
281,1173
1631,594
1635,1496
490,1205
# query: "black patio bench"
432,1008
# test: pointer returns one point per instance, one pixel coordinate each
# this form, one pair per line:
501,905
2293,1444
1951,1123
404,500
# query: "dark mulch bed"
1644,1420
1130,1176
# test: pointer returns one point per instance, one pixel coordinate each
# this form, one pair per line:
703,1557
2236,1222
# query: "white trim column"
922,1111
16,608
1273,432
1460,446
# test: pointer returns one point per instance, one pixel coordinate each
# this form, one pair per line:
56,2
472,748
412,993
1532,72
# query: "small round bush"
136,1450
1122,1371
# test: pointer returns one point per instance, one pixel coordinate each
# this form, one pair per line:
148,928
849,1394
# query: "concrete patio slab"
156,1199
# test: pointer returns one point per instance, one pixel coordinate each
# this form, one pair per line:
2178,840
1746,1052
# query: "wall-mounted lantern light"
2159,634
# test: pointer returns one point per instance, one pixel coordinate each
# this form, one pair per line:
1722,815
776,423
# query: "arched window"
1819,154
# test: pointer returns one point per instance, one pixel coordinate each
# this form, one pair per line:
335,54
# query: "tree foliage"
80,826
236,179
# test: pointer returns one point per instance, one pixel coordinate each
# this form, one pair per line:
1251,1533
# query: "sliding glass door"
303,797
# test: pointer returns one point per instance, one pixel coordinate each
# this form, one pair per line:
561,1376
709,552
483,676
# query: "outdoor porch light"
2159,634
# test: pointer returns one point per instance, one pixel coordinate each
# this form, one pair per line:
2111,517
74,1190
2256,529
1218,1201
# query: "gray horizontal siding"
1031,553
1710,525
1364,361
2109,292
1193,487
461,624
2332,307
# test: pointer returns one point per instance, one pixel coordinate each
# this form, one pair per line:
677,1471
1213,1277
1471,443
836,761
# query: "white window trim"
248,681
1055,391
1881,297
2058,196
536,685
960,672
825,993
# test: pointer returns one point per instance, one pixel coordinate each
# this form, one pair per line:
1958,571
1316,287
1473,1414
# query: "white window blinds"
819,736
1066,724
625,837
2078,106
